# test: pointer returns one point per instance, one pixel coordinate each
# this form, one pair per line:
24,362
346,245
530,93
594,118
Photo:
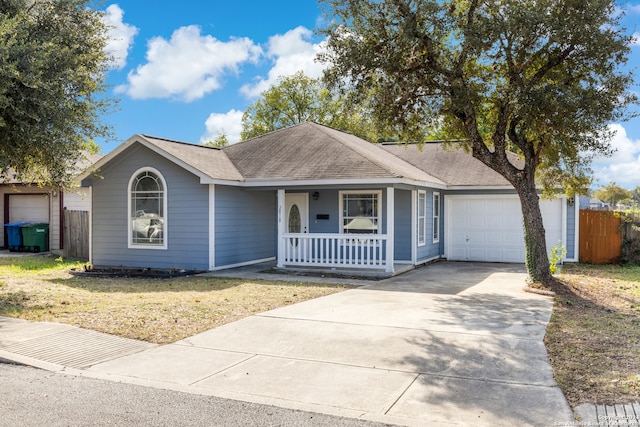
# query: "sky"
187,70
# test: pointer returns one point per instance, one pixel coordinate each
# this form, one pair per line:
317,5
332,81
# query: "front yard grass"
593,339
161,311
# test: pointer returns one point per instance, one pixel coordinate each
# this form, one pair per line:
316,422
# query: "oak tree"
612,194
52,78
542,78
298,98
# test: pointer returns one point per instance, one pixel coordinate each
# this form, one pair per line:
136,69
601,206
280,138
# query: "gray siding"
187,216
431,250
245,225
402,225
327,204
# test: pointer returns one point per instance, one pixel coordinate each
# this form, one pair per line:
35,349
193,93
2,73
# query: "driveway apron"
445,344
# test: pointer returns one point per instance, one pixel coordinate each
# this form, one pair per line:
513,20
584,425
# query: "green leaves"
51,84
612,194
542,78
539,78
299,98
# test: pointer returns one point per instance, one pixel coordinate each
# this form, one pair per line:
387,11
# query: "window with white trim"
360,212
422,217
436,217
147,209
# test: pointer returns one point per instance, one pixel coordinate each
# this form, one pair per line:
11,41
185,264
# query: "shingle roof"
453,166
210,161
310,151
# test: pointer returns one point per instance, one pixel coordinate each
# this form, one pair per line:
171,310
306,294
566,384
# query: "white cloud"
634,8
188,66
291,52
635,39
120,36
229,123
623,167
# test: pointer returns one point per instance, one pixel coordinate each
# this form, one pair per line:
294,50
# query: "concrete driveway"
449,343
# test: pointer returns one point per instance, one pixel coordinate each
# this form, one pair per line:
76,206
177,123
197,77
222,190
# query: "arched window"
147,209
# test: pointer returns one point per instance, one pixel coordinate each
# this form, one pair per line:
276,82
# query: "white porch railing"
334,250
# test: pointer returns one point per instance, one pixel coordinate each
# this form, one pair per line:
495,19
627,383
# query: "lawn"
160,311
593,338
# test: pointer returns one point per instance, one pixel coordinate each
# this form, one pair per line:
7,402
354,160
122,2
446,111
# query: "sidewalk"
453,343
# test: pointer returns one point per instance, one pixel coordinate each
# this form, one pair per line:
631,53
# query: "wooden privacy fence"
76,234
600,237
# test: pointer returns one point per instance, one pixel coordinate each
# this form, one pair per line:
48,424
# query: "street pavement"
31,397
445,344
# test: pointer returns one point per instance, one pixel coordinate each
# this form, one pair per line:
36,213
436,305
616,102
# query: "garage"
489,228
29,207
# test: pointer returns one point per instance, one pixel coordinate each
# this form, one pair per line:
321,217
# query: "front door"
296,215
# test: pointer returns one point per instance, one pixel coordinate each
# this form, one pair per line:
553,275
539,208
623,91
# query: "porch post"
390,230
280,227
414,227
212,226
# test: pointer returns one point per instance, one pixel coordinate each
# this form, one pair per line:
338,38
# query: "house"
22,202
593,204
307,196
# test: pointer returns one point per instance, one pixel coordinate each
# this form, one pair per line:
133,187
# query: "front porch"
364,253
335,251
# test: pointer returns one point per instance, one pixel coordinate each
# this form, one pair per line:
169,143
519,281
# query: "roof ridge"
432,141
375,159
349,146
269,133
173,141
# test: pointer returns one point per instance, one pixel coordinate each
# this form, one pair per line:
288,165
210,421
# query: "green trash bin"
35,237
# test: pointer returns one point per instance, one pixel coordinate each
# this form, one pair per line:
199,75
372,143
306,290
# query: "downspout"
280,244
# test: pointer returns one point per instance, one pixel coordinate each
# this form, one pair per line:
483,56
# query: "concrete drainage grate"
77,348
621,415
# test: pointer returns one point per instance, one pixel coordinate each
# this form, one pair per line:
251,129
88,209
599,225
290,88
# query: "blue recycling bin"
14,236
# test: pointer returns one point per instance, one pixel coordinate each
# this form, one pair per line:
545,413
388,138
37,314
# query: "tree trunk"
537,260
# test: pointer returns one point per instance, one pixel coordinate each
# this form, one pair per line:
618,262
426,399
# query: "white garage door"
490,228
29,207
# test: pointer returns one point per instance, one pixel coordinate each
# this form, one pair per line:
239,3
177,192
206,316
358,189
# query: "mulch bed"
152,273
322,274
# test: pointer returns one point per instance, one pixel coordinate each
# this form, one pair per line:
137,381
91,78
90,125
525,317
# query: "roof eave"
107,158
286,182
480,187
142,139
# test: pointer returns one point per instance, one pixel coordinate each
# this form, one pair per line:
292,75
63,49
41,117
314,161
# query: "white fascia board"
480,187
481,196
208,181
425,184
107,158
284,182
491,187
204,178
